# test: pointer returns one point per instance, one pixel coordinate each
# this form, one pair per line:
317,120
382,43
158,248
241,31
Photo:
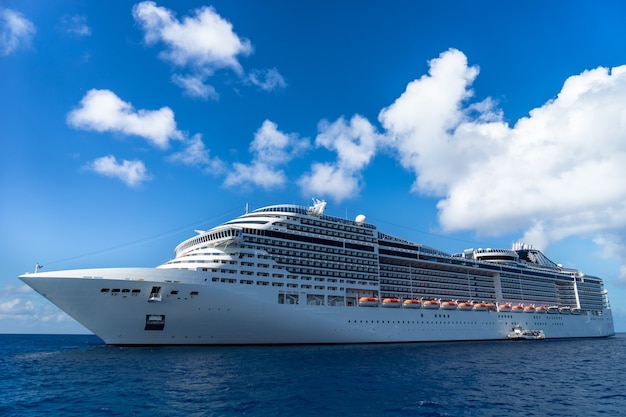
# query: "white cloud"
419,121
16,307
267,80
614,246
556,173
15,31
194,86
257,173
327,179
76,25
200,44
271,148
131,173
196,154
102,111
10,289
356,144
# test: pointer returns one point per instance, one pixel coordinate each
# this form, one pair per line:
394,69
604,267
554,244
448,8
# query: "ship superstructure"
292,274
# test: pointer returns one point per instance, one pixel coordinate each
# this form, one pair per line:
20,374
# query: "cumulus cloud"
614,246
194,86
355,144
267,80
131,173
198,44
75,24
271,148
15,31
556,173
103,111
419,121
16,307
8,290
196,154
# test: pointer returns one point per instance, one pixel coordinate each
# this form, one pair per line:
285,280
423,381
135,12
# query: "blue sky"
127,125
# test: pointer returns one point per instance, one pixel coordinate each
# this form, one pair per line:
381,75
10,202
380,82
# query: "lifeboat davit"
466,305
480,307
431,304
540,310
412,304
391,302
505,308
529,309
517,308
448,305
368,302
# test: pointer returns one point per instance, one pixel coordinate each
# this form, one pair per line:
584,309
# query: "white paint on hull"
223,313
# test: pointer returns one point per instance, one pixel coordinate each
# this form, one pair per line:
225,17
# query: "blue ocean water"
78,375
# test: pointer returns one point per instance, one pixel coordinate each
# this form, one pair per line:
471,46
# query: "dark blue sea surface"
45,375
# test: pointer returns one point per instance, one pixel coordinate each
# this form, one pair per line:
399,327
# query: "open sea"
52,375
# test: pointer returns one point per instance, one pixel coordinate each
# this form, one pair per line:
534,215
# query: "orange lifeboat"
368,302
391,302
431,304
529,309
466,305
480,307
491,307
505,308
448,305
412,304
517,308
540,310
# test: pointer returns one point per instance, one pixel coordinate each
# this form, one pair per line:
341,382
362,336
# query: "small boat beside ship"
517,333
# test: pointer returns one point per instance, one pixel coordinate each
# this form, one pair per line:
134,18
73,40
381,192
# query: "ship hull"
116,305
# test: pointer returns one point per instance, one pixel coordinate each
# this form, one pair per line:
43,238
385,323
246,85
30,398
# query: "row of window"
116,291
208,237
329,232
340,224
279,239
312,254
326,221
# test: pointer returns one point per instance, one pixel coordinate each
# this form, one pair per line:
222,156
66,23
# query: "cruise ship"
290,274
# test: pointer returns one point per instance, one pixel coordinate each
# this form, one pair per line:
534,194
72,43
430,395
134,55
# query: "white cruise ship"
289,274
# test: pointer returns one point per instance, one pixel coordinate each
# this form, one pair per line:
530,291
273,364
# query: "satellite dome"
360,220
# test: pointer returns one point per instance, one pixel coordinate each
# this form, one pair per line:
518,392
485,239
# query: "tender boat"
448,305
505,308
480,307
517,333
466,306
412,304
391,302
368,302
517,308
430,304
